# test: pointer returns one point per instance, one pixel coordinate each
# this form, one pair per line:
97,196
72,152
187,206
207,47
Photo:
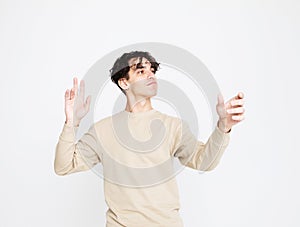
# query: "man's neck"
141,105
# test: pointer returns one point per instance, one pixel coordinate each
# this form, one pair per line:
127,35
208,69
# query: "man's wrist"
71,122
222,126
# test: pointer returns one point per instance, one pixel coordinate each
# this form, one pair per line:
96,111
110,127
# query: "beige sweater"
137,153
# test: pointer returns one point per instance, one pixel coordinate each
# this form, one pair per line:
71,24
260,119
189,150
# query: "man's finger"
75,85
67,94
236,110
238,117
237,102
240,95
82,89
220,99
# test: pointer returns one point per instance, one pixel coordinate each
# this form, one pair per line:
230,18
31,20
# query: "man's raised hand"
75,105
231,112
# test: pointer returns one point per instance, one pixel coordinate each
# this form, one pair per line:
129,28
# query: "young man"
140,190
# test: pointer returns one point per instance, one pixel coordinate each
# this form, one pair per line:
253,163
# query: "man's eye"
141,72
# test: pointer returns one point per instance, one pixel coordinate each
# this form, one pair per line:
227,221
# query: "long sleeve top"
137,152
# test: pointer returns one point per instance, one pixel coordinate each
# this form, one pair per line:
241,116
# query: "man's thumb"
88,103
220,99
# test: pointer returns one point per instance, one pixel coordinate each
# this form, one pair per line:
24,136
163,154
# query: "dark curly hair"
121,66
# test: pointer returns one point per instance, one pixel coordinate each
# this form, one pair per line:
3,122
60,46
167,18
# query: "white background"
250,46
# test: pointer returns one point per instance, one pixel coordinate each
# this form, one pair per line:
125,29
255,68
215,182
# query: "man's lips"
151,83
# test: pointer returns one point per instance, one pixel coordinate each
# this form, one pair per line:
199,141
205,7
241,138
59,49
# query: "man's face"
142,79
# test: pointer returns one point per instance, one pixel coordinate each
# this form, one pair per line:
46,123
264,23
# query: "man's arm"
196,154
71,157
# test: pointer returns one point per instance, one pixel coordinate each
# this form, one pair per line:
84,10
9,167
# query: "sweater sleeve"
196,154
71,157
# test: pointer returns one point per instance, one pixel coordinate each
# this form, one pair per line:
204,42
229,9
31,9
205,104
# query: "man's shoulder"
106,121
103,122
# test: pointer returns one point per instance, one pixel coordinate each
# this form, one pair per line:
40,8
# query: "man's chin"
153,94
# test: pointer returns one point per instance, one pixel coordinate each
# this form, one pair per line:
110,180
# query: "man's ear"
123,83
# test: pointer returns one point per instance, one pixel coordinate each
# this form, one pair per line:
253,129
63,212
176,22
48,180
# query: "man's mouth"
151,83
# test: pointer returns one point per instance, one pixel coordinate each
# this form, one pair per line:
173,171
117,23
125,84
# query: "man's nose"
149,73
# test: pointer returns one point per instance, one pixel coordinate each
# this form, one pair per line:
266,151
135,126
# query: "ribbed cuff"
68,133
220,137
